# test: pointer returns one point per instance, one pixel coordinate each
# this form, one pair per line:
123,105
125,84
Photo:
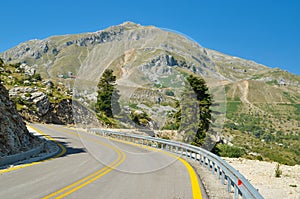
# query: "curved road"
91,166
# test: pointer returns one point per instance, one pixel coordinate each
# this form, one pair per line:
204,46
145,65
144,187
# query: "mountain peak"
130,24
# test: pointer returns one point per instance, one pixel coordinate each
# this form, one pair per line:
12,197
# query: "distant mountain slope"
261,103
59,54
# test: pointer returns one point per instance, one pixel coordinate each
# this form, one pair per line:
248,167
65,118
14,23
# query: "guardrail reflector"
239,182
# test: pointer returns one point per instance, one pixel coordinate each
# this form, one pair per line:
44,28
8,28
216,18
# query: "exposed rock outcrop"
14,136
38,101
38,108
68,111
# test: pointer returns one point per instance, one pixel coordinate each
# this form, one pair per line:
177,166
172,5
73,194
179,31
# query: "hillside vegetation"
255,110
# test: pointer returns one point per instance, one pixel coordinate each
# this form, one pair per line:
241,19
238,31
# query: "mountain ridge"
148,58
46,52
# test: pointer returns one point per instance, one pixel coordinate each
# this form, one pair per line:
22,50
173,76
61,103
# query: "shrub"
228,151
169,93
36,76
165,137
260,158
27,95
278,171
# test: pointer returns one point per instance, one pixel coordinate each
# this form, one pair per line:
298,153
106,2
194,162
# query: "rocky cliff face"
38,108
14,136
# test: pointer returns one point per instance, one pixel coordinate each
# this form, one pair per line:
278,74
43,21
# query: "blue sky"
266,31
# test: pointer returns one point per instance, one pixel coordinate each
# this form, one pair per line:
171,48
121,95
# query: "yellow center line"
92,177
108,169
62,152
81,180
196,192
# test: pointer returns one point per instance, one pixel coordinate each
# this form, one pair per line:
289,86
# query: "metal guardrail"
228,175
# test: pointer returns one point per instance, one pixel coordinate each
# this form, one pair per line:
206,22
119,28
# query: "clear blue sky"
266,31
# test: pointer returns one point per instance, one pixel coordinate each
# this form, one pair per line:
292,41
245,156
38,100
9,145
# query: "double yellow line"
196,192
92,177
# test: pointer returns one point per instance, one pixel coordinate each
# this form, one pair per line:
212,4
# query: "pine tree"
204,101
108,95
1,62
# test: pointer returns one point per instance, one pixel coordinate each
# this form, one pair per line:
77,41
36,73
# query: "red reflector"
239,182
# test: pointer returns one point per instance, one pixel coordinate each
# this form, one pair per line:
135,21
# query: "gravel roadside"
261,175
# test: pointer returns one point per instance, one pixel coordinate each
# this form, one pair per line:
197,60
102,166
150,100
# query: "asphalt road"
91,166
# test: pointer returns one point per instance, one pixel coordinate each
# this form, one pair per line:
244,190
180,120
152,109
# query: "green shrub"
228,151
260,158
27,95
165,137
169,93
37,77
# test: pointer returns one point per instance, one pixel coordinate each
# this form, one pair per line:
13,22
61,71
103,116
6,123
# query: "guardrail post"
176,149
218,172
213,168
208,163
228,184
223,177
162,146
236,192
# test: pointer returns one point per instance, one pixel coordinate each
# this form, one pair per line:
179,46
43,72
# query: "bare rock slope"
14,136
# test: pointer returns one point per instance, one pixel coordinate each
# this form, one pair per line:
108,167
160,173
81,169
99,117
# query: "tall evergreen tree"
1,63
108,95
204,101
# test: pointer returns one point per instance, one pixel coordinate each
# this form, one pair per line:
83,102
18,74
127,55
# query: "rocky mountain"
14,136
256,108
39,100
58,55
